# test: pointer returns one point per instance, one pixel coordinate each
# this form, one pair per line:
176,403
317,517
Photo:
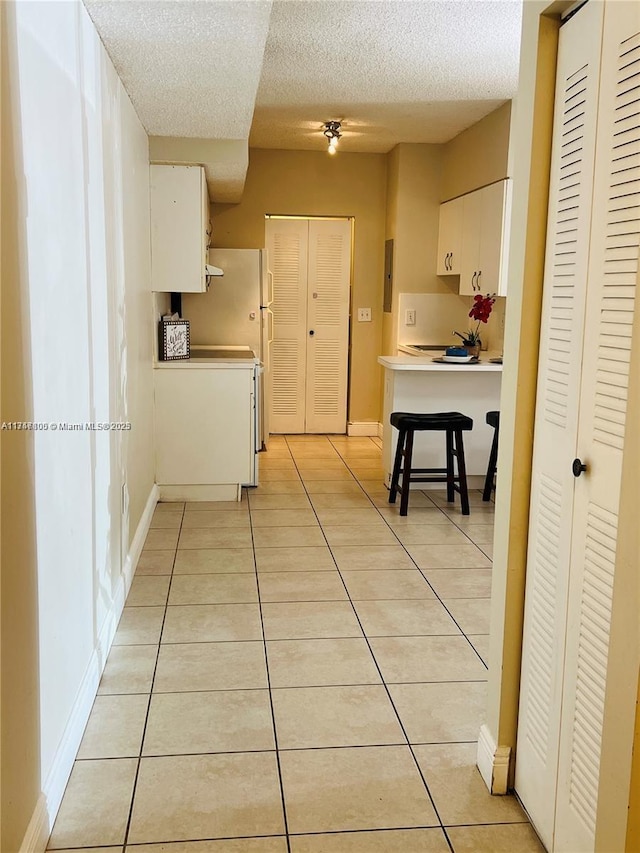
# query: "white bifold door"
310,260
588,309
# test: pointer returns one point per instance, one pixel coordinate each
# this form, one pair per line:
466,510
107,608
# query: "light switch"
410,317
364,315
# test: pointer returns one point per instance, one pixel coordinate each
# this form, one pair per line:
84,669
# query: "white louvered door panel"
287,244
556,423
613,269
328,318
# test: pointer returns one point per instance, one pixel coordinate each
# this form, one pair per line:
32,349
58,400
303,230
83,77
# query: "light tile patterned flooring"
303,671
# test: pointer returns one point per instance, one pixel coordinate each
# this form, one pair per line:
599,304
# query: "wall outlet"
364,315
410,317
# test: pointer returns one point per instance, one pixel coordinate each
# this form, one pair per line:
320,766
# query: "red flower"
482,306
480,311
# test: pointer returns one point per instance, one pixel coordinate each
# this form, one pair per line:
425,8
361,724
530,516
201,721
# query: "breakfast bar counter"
420,384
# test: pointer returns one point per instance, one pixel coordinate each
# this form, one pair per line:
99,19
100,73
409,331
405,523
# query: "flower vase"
473,349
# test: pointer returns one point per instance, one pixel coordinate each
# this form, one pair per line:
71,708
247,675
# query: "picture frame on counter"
173,340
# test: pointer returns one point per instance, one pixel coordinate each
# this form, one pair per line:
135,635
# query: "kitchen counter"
227,357
426,362
418,384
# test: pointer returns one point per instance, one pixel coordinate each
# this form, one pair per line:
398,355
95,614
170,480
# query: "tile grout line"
155,667
266,660
384,684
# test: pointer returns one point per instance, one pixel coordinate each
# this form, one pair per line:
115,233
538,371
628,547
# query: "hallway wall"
77,346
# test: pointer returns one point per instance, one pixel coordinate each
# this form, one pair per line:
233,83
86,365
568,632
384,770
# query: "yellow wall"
530,149
478,156
308,183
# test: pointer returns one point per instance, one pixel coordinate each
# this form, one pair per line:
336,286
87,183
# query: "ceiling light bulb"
335,141
332,148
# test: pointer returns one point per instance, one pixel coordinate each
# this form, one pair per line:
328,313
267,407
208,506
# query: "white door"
310,262
611,286
592,264
287,245
551,513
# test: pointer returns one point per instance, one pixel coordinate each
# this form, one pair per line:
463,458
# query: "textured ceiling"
191,67
392,70
272,73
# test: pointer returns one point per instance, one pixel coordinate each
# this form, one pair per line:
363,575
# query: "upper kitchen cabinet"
180,230
450,237
485,239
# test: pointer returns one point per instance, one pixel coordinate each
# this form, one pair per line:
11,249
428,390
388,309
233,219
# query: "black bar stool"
453,424
493,419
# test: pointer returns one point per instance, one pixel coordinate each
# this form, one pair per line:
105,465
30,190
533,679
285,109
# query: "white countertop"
426,363
217,357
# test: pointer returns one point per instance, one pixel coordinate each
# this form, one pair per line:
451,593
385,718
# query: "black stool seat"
435,421
453,424
493,419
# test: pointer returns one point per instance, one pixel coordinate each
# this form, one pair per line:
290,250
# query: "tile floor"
303,671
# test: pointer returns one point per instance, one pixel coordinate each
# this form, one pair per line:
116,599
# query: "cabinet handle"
446,261
311,332
473,281
451,260
478,281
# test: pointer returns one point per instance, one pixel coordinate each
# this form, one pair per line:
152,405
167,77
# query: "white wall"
79,166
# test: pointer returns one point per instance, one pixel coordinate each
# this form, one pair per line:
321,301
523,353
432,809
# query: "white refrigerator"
240,315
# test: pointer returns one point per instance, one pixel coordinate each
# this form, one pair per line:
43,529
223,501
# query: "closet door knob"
578,466
311,332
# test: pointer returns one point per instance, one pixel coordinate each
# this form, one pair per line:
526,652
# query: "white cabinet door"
450,237
485,220
179,222
310,262
204,425
470,263
494,242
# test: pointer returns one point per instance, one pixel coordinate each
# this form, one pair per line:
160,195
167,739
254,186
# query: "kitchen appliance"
238,314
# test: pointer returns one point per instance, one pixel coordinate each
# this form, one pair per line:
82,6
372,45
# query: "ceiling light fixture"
332,132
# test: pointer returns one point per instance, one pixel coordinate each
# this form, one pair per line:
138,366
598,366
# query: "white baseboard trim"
37,834
137,543
493,762
231,492
362,428
53,789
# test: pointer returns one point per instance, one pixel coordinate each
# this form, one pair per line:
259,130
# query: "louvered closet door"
613,269
287,244
328,318
556,421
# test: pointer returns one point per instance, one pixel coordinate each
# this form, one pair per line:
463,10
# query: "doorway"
310,262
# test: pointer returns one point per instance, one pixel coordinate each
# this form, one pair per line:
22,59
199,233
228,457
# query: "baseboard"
37,834
493,762
200,493
380,431
56,781
137,544
363,428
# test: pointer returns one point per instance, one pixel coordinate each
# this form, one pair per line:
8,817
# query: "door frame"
352,221
618,815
